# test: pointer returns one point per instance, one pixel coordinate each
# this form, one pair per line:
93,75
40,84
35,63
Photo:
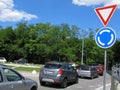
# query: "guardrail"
115,77
116,72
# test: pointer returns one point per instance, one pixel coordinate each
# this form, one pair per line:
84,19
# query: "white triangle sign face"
105,13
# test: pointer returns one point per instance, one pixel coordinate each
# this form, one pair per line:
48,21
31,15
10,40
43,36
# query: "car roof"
82,65
85,65
56,62
2,65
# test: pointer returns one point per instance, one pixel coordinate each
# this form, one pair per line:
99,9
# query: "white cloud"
111,2
8,13
95,2
87,2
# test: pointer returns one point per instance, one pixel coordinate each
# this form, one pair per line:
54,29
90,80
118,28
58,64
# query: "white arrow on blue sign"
105,37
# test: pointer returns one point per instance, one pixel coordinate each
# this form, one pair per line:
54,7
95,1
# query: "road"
84,83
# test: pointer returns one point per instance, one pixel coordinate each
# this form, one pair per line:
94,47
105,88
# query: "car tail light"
60,72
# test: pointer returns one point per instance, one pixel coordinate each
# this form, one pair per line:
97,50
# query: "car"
60,73
10,79
3,65
2,60
21,61
99,69
87,71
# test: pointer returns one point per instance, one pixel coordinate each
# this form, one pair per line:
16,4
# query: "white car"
2,60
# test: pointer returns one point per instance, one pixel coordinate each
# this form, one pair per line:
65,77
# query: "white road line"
101,88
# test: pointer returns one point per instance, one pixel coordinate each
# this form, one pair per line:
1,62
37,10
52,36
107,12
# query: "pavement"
118,88
34,73
31,74
108,86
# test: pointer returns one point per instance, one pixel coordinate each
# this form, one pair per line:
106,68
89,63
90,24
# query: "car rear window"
84,67
96,66
52,66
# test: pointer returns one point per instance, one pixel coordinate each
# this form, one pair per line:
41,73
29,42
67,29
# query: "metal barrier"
116,72
115,77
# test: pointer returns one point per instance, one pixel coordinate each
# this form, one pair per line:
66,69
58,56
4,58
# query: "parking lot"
84,83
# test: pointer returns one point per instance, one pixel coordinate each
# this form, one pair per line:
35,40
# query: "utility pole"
83,36
82,50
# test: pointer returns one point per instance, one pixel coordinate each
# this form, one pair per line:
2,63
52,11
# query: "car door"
14,81
2,85
72,73
94,72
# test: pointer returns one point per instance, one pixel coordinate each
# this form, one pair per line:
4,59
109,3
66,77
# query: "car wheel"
92,77
77,79
97,76
64,83
42,83
33,88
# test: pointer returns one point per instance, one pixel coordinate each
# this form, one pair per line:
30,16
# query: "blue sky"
73,12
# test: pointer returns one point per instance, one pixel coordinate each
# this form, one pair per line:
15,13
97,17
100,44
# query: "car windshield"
52,66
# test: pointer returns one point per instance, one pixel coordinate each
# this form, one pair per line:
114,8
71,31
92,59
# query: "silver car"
87,71
12,80
58,73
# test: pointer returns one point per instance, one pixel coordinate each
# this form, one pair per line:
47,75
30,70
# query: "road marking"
101,88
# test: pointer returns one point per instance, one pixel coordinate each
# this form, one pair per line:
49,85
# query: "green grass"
28,69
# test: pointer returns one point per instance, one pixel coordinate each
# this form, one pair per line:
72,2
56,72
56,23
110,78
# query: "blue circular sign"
105,37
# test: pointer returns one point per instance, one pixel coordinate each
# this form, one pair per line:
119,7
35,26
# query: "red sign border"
105,23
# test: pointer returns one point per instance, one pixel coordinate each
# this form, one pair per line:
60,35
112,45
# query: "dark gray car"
58,73
12,80
21,61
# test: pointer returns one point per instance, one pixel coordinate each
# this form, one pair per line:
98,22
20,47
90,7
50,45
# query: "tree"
44,42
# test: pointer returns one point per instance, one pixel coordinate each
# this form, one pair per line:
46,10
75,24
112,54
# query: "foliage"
45,42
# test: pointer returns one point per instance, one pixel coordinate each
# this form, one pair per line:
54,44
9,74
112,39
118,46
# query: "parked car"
60,73
87,71
99,69
12,80
2,60
21,61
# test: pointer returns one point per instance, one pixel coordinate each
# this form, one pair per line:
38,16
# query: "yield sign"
105,13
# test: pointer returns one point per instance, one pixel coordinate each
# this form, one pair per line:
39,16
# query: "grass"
28,69
23,67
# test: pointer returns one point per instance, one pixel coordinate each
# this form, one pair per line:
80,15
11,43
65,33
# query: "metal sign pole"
100,38
105,60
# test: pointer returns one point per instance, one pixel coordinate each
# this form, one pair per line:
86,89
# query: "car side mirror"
23,78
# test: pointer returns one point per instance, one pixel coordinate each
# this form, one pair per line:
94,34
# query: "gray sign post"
105,38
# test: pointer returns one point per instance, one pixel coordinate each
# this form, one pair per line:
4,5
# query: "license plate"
47,80
49,72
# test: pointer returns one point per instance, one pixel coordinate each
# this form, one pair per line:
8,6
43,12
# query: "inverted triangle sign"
105,13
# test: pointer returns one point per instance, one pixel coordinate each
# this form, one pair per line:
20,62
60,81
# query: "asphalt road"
84,83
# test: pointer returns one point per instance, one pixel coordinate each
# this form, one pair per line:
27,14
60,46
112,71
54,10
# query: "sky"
73,12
